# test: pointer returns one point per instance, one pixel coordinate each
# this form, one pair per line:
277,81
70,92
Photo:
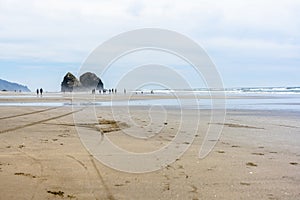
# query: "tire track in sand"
109,195
108,192
29,113
38,122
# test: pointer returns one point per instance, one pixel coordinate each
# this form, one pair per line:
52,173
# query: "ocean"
255,98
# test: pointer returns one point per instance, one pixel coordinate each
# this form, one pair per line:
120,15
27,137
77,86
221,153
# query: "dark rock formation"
70,83
9,86
88,81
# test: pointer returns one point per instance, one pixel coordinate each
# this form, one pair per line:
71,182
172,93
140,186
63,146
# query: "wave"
242,90
267,90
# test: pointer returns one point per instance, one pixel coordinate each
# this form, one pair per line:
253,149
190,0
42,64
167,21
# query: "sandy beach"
149,100
42,156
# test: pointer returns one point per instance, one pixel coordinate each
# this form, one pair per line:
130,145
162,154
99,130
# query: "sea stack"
90,81
87,82
70,82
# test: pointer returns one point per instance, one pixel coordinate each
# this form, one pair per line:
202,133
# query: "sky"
252,43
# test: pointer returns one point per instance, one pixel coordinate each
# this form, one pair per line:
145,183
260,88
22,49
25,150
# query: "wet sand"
42,157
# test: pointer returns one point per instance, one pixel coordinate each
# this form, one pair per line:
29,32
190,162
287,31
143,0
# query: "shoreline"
284,103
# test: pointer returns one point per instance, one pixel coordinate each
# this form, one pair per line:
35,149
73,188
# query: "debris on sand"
58,193
251,164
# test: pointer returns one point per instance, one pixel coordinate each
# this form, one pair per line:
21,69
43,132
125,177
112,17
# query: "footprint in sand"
166,187
166,176
211,168
180,167
122,184
166,184
2,164
71,196
227,143
195,189
169,167
64,135
221,151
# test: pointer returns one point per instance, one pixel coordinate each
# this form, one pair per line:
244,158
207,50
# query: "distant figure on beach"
124,91
115,90
41,92
37,92
152,92
93,91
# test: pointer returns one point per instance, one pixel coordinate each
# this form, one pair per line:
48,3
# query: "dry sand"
42,157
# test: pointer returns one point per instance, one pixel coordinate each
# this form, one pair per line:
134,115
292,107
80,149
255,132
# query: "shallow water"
274,102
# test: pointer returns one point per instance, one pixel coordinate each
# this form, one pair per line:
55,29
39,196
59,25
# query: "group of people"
114,91
39,92
110,91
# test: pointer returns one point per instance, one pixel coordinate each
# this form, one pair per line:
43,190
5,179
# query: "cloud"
256,47
75,25
67,31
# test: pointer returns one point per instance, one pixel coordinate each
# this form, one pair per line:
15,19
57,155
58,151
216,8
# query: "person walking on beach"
37,92
41,91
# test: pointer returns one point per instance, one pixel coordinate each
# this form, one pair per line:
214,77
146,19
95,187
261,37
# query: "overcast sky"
252,43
